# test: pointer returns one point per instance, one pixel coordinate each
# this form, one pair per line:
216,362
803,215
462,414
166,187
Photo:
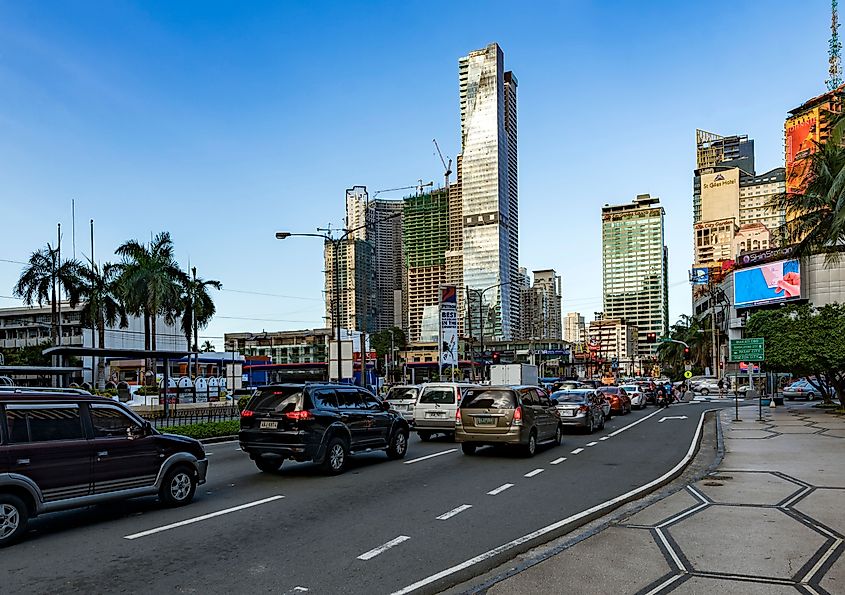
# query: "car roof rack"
43,389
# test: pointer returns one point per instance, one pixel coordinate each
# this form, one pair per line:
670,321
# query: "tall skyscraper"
540,311
355,284
574,329
634,267
489,189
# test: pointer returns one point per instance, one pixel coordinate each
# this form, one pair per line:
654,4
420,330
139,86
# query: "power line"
279,295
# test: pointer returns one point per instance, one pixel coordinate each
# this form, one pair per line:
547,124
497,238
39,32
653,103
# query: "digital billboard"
767,283
801,136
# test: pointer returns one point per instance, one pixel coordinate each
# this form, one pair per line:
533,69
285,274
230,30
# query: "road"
379,528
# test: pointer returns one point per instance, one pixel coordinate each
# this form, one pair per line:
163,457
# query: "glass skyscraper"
489,192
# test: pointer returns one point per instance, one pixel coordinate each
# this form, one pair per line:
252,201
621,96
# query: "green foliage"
695,332
107,392
806,341
209,429
146,391
381,341
26,356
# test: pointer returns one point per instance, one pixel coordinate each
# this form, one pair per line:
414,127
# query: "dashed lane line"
592,443
383,548
453,512
500,489
603,438
558,461
577,450
426,457
533,473
203,517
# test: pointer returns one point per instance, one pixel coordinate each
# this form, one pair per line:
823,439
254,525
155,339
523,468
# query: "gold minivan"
517,415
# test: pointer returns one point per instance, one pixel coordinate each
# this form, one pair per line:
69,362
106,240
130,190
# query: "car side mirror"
385,406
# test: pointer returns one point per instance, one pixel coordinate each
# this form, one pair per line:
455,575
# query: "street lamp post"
480,293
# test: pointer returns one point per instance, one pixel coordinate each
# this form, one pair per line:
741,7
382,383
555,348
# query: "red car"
620,402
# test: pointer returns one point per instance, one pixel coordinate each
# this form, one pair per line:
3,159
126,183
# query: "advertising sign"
801,134
448,325
767,283
720,195
761,256
700,276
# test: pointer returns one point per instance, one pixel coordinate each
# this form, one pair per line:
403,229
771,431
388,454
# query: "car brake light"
300,415
517,414
458,416
247,413
583,408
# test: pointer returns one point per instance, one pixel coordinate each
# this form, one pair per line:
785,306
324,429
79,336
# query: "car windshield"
569,397
488,399
441,395
631,389
404,393
613,390
277,400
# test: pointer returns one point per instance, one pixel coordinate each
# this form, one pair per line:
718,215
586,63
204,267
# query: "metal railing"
181,416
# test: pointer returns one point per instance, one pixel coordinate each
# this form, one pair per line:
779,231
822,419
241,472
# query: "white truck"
513,374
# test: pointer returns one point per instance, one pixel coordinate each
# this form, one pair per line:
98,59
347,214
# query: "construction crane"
419,188
834,50
446,168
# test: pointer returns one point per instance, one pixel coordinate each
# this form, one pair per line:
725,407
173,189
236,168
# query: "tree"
207,347
381,341
196,307
694,331
98,288
806,341
43,279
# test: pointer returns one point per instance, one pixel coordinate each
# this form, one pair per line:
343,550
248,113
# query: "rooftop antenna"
834,50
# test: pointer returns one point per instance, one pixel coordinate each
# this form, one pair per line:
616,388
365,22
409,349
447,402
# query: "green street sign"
748,350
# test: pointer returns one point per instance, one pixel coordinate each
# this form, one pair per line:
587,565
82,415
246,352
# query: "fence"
180,416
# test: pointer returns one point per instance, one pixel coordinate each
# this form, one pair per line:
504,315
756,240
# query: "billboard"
767,283
699,276
448,325
801,135
720,195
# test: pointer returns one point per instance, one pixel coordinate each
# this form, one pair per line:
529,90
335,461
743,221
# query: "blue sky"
224,122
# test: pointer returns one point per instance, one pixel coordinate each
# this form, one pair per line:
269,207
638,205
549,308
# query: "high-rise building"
378,222
425,240
714,151
489,189
617,340
540,315
574,329
634,267
355,284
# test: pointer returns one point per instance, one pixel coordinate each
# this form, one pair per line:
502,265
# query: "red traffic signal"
651,338
497,357
686,350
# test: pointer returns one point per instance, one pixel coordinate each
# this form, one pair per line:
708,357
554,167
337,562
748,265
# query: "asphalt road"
379,528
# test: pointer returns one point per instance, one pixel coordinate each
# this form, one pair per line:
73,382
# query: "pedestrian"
662,397
721,385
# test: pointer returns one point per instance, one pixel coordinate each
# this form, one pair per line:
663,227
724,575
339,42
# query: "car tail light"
299,415
517,416
247,413
458,417
583,408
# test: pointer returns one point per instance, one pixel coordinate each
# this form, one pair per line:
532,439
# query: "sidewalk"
770,520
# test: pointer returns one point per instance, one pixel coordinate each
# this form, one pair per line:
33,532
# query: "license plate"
569,412
269,425
485,421
435,414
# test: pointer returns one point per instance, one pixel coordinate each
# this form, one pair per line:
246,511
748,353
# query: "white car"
403,399
437,407
638,400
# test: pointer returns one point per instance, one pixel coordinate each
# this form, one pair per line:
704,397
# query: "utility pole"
715,347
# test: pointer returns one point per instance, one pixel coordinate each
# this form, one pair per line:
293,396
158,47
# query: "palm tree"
43,279
196,307
207,347
692,330
99,290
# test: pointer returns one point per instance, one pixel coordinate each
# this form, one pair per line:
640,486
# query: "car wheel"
14,516
398,447
531,447
268,465
468,449
601,424
178,487
704,392
811,396
609,415
591,425
424,436
336,455
558,435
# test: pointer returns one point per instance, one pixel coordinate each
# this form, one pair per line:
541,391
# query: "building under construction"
425,241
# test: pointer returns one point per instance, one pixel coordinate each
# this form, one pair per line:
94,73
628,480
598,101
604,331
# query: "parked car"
636,394
620,403
436,408
319,422
801,389
522,416
583,408
707,386
62,449
403,399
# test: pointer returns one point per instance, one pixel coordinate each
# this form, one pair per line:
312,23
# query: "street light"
480,293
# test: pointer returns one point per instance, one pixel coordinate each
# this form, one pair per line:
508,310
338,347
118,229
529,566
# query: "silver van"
436,408
403,398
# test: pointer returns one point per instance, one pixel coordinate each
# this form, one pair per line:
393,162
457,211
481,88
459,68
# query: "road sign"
748,350
688,374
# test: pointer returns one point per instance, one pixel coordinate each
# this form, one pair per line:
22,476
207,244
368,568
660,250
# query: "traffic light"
686,351
651,338
497,357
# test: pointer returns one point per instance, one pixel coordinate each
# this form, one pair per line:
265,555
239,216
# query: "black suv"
318,422
65,448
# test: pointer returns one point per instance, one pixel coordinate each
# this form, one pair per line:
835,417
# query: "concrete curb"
217,439
489,560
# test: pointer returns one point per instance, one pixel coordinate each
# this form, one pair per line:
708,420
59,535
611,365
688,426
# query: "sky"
223,122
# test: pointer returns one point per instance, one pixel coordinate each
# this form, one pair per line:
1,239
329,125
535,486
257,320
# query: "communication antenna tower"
834,50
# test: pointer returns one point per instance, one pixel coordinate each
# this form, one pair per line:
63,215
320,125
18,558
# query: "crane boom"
447,168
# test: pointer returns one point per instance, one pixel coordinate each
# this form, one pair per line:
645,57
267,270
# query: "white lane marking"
577,450
558,461
453,512
426,457
383,548
629,426
603,438
662,419
533,473
592,443
203,517
561,523
500,489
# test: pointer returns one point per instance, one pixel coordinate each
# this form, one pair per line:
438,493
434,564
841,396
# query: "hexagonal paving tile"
663,509
700,585
790,422
746,540
743,434
834,579
825,506
796,430
835,433
747,488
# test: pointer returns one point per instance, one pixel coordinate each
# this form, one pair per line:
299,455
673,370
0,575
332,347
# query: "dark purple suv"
62,449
